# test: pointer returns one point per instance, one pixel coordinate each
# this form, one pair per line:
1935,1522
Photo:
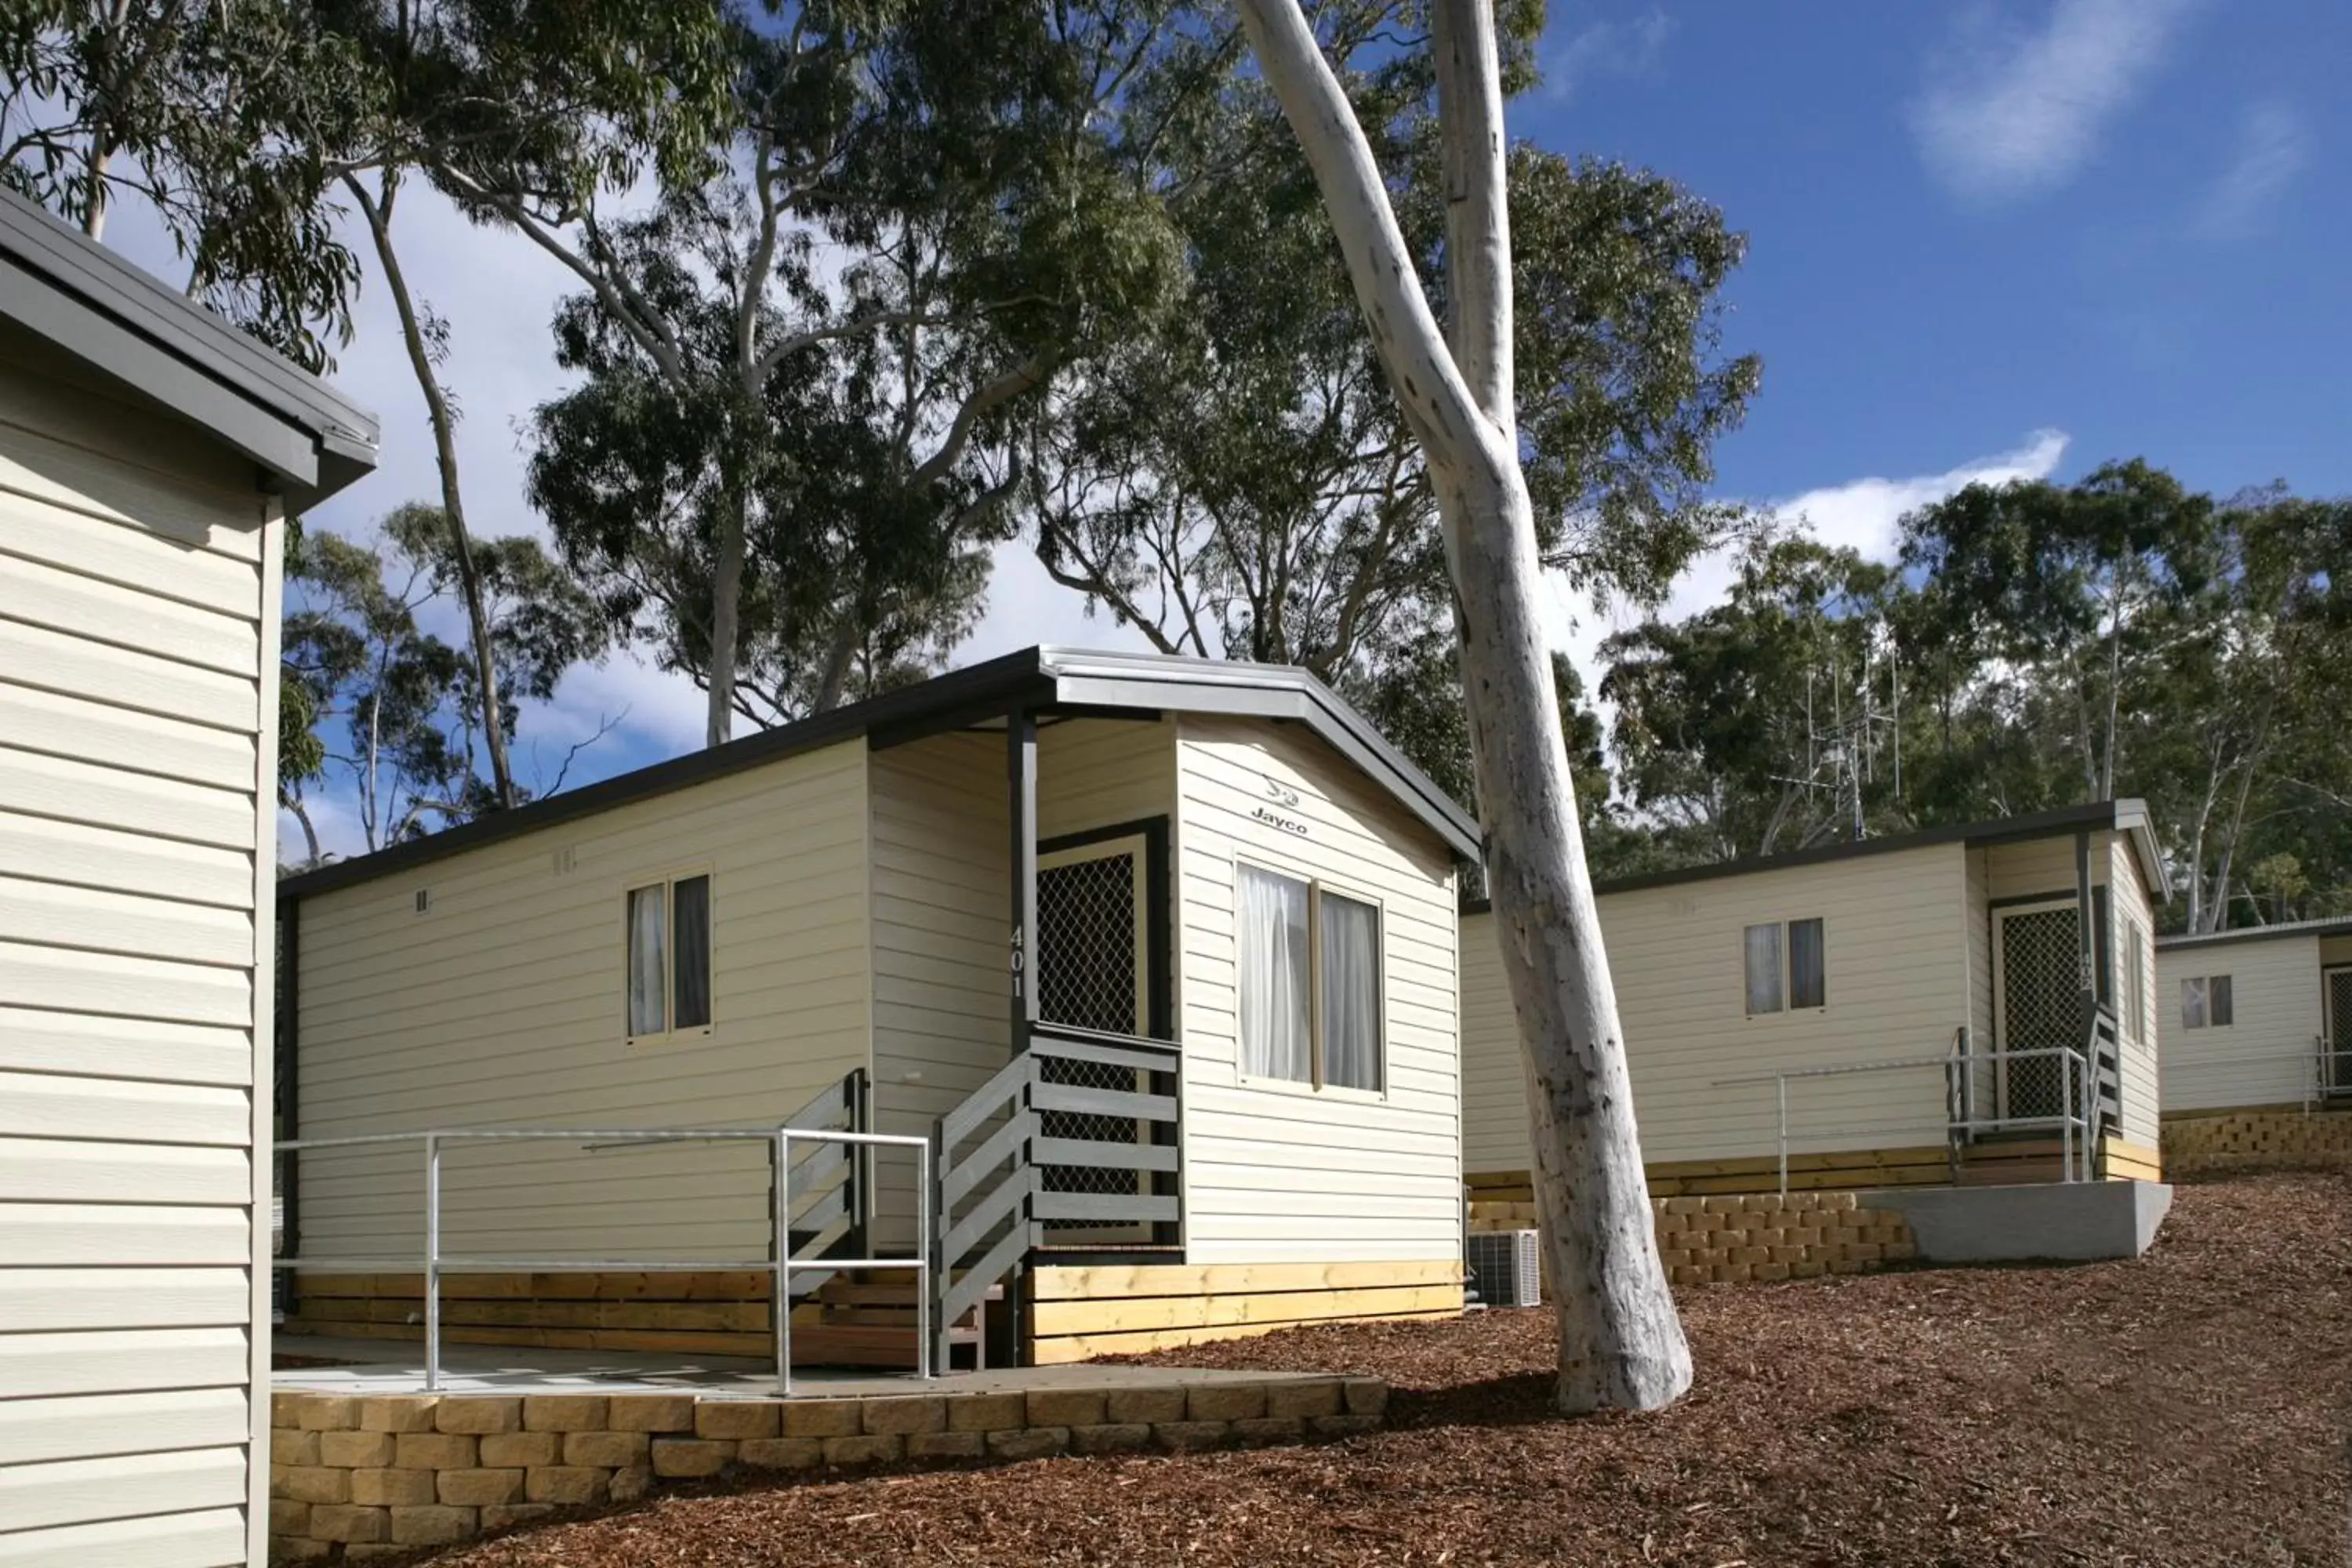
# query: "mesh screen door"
2038,1001
1093,972
2336,1066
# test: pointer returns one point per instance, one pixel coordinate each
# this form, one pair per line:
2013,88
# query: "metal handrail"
2316,1088
2074,1091
921,1262
779,1263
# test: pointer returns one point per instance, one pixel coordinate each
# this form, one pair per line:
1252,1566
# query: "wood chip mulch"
2190,1407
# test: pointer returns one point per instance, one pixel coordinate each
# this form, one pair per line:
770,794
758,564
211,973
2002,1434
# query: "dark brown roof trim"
1041,678
2123,815
2325,926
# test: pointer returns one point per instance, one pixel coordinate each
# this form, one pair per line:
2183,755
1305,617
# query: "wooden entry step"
869,1319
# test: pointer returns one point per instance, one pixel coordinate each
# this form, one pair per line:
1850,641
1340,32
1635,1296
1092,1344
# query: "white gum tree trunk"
1620,1342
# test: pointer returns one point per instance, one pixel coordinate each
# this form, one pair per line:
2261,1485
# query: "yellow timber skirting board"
1089,1284
1087,1347
717,1312
1079,1313
1836,1170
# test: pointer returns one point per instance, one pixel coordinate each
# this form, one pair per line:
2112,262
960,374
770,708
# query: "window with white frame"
1786,966
2207,1002
1310,982
669,956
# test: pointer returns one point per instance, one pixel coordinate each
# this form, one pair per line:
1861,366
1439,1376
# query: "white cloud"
1860,514
1627,48
2010,113
2274,146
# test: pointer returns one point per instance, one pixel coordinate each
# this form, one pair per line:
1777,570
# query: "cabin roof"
2127,817
2325,925
1074,680
161,349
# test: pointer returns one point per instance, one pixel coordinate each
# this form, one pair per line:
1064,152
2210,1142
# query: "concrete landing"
381,1366
2067,1222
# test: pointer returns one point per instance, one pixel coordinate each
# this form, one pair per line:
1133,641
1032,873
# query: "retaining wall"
1730,1237
359,1477
2260,1139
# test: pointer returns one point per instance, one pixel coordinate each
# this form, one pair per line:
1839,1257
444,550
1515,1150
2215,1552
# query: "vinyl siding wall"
138,636
503,1006
2142,1074
1897,983
942,901
2264,1056
1281,1172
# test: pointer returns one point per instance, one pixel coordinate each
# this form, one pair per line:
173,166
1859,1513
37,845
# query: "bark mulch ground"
2190,1407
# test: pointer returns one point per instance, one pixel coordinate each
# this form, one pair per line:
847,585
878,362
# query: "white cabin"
1158,954
1855,1016
2257,1028
149,453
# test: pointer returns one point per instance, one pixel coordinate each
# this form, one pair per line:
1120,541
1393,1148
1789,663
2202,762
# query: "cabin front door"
2037,986
2336,1062
1093,965
1094,962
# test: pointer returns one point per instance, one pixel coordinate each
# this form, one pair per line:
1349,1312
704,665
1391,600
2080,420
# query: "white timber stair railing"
1073,1144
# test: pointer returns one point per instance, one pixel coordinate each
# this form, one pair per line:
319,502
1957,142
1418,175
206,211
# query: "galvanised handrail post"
1780,1091
432,1262
2066,1115
780,1289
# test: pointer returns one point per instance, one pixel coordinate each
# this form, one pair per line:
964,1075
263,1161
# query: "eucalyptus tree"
1245,482
1727,719
568,97
390,706
221,116
799,368
1620,1342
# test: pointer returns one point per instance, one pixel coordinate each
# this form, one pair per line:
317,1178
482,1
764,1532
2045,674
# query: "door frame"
2328,1024
2002,911
1159,1010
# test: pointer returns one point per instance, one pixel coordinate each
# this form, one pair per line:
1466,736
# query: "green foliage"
225,115
2051,644
394,711
1239,481
811,355
1715,712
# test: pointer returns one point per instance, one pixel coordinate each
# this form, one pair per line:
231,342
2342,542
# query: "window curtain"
1808,980
1352,993
1763,945
648,961
690,935
1273,962
2192,1004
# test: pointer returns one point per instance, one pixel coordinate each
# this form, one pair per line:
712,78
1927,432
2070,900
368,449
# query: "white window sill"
1296,1088
669,1037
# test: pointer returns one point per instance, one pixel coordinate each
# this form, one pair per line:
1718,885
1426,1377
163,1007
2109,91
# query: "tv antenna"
1861,737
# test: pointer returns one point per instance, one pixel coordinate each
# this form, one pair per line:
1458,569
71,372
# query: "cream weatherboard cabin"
2257,1028
148,454
1922,1009
1157,956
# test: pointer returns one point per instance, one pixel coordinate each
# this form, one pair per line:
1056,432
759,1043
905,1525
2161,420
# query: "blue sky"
1986,241
2122,219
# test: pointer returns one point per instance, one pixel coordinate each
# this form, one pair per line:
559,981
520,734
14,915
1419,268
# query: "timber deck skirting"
1737,1237
2263,1138
1080,1313
358,1476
